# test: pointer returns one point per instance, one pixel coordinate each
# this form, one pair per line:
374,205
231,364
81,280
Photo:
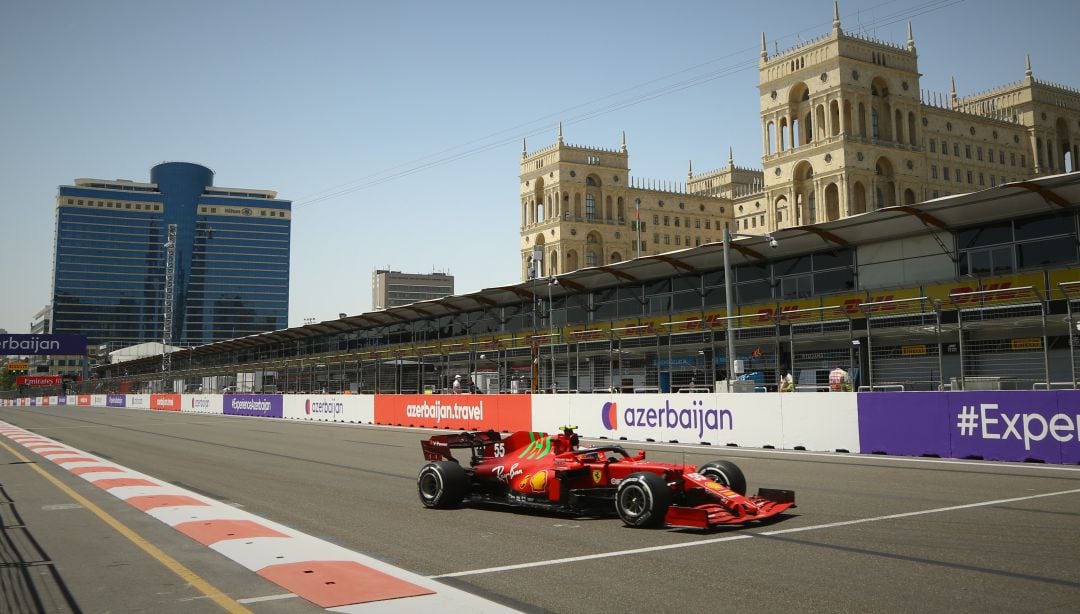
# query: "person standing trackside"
456,386
787,383
839,380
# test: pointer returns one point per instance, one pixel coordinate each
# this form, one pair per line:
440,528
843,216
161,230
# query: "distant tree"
7,379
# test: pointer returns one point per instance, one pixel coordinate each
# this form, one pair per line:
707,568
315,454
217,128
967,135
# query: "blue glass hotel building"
232,258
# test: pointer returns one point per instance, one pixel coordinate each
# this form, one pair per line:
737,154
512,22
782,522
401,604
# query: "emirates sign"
38,380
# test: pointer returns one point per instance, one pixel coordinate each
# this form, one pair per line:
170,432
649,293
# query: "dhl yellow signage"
913,350
18,366
595,332
1064,276
879,302
1027,343
875,303
995,290
637,328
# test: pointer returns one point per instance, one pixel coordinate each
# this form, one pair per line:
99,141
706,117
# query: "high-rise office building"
394,288
231,255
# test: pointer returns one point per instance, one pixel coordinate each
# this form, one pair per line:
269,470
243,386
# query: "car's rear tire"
642,500
725,472
442,484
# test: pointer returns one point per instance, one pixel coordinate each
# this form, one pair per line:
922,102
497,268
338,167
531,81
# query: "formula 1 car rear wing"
438,446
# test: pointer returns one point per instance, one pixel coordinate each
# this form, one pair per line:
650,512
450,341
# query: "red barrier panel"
459,412
165,402
38,380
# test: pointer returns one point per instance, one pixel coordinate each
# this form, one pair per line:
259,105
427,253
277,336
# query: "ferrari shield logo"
597,475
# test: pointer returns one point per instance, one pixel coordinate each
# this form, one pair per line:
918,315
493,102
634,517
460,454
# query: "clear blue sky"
396,127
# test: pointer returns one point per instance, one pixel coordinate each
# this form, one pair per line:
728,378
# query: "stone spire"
690,169
1027,73
836,17
730,157
764,50
523,150
623,147
910,38
560,141
952,88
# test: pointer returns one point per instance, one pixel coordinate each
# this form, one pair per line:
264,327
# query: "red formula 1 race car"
550,472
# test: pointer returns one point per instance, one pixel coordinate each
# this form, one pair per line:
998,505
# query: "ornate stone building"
845,128
580,208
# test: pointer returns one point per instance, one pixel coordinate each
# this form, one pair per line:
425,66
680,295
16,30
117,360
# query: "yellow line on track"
220,598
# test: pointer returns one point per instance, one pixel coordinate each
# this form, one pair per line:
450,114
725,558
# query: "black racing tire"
442,484
725,472
642,500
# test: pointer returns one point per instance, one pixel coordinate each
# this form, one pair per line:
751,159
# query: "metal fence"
1014,338
904,344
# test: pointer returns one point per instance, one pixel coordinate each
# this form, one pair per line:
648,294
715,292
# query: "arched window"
858,198
832,202
884,184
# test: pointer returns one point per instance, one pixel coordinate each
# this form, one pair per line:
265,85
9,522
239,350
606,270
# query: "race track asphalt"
870,533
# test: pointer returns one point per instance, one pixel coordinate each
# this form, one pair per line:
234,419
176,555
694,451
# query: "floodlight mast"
167,317
730,299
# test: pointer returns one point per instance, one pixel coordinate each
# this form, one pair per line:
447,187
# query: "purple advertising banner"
903,424
39,345
1005,425
263,405
116,400
61,400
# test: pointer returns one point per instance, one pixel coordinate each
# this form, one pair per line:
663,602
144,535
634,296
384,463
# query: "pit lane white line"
705,542
267,598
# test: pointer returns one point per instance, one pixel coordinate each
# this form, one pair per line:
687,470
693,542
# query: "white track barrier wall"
201,403
352,408
786,421
822,422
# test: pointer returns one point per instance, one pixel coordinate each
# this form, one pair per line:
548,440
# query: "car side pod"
767,503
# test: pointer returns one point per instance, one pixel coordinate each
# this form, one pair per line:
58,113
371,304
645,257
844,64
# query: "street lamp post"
552,281
730,300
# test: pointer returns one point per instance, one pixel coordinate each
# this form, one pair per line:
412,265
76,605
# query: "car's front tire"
642,500
726,473
442,484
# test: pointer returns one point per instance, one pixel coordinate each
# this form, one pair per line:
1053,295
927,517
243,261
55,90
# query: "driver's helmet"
570,437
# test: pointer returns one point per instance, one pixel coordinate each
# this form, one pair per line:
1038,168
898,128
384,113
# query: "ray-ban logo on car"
245,211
